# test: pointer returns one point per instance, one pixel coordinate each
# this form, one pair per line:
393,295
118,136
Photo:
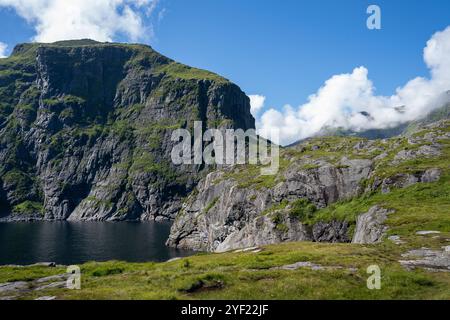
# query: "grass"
249,175
28,208
146,163
248,276
211,205
97,203
275,207
181,71
428,207
302,209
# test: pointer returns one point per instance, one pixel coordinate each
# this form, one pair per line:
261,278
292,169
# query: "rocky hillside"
328,189
85,130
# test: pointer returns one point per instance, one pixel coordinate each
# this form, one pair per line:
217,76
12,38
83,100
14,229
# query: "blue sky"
284,50
287,49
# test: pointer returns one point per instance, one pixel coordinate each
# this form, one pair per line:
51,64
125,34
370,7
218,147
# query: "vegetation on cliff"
82,119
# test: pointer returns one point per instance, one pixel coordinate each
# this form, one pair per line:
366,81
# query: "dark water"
78,242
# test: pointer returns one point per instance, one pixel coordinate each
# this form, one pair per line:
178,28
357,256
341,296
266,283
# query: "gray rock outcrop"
370,227
432,260
232,209
223,216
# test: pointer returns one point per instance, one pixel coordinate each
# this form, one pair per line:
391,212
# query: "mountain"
435,115
85,130
440,113
328,189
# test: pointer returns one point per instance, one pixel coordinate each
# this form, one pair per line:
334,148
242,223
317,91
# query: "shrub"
277,218
302,209
28,208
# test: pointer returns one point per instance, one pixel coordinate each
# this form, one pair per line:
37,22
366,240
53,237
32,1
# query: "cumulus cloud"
348,100
256,103
3,47
100,20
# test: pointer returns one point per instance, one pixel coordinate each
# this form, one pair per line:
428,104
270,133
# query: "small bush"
302,209
277,218
282,227
28,208
187,264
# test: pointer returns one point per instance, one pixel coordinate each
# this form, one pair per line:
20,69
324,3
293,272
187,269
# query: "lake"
77,242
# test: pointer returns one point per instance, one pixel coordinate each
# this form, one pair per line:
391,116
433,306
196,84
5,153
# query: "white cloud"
3,47
344,100
161,14
100,20
256,103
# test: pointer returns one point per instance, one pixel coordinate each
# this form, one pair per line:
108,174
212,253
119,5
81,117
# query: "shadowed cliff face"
85,129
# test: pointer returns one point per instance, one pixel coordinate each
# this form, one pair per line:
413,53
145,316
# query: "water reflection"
78,242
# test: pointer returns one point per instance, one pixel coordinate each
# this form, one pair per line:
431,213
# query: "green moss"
124,165
276,207
73,100
211,204
277,218
122,129
28,208
282,227
97,203
20,182
51,102
310,166
220,123
144,162
302,209
67,113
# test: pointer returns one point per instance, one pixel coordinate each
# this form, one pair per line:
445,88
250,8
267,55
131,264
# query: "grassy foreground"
248,275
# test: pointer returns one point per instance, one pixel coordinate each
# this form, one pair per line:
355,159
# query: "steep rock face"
85,129
222,215
309,199
370,226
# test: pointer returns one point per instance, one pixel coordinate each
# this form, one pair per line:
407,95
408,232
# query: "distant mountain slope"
85,129
437,114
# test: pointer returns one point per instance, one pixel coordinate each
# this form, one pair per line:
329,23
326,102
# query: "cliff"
328,189
85,130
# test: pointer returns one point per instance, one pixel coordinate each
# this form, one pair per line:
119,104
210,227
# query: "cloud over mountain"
256,103
349,100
